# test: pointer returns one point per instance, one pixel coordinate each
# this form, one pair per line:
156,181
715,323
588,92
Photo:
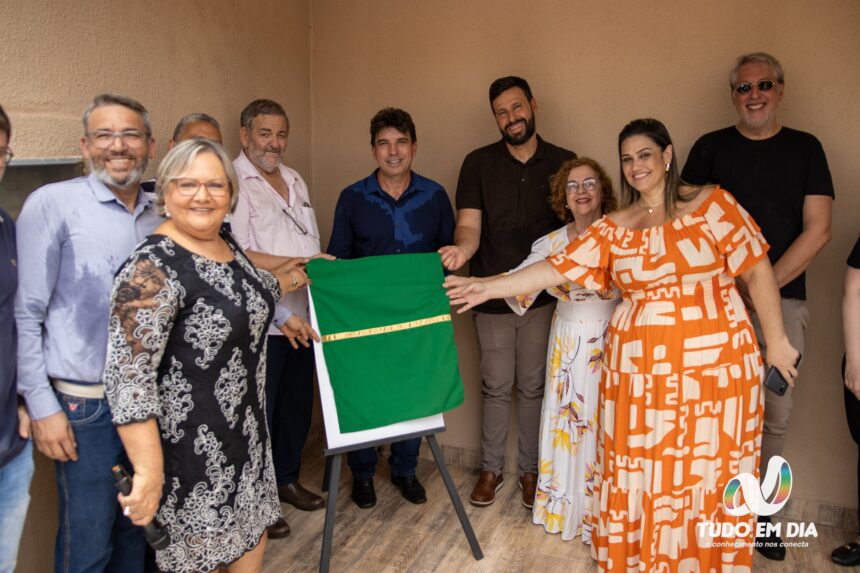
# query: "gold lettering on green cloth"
385,329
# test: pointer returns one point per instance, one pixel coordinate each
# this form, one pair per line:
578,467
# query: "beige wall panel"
594,66
174,57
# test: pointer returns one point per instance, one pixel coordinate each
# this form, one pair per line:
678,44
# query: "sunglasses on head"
762,85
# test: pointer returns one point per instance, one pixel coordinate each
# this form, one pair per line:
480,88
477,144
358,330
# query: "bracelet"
295,282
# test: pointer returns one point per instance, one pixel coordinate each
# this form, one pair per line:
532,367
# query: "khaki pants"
513,349
777,409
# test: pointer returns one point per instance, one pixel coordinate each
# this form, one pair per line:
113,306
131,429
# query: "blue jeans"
14,497
94,535
404,458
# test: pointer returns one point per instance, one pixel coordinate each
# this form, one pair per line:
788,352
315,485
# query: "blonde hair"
180,157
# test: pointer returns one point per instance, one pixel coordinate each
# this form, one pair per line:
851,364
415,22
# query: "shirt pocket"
308,218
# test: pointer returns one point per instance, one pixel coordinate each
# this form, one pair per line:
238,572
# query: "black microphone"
155,533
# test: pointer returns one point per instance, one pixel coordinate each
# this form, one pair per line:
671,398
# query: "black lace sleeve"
144,303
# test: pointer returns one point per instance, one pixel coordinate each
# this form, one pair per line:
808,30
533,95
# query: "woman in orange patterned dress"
681,393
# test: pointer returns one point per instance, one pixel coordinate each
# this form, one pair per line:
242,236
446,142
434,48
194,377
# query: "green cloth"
388,377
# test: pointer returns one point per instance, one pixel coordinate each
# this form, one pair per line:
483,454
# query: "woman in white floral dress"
581,194
186,370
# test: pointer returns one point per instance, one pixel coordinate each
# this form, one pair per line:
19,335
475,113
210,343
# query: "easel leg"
333,464
327,473
455,498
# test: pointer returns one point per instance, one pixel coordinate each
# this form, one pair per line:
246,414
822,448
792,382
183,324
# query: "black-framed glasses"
188,187
588,184
299,227
104,138
744,88
6,155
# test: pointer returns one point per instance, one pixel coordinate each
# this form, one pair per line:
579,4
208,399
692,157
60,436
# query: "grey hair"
262,107
757,57
194,118
179,159
102,100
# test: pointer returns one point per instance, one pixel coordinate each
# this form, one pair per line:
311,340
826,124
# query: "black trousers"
852,412
289,404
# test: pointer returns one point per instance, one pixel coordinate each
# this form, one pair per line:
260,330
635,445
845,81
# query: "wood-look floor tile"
398,537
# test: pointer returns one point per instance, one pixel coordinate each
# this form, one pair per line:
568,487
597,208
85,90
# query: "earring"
667,167
166,214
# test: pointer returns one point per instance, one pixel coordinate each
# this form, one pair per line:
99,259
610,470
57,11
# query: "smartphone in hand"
774,380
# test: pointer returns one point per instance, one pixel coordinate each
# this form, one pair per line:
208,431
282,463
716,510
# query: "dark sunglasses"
746,87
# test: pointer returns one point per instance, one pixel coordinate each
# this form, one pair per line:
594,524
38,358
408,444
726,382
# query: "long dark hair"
655,131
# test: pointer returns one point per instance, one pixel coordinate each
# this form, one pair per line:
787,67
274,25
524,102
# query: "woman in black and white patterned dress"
186,370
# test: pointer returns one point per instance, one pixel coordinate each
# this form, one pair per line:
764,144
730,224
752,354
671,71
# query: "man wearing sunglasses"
72,237
273,222
780,175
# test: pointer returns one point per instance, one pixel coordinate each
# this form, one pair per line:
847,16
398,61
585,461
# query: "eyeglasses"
187,187
6,155
299,227
746,87
587,184
104,138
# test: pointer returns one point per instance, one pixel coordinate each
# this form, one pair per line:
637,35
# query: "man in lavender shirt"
274,220
72,238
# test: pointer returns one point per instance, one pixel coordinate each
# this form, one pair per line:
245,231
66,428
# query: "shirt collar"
105,195
246,170
538,155
372,184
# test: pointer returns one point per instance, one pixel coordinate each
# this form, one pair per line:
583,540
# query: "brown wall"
594,66
333,63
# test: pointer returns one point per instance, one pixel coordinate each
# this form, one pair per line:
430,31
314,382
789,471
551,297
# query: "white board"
334,437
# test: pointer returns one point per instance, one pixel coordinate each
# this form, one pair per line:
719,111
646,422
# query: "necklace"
649,208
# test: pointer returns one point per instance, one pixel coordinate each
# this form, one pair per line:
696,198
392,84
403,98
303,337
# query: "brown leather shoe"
299,497
279,529
486,488
528,483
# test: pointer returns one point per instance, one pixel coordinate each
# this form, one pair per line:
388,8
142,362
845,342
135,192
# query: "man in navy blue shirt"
16,451
392,211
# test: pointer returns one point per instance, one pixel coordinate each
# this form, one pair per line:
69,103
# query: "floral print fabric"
568,426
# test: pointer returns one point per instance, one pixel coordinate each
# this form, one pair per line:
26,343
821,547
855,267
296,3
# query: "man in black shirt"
502,207
780,176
